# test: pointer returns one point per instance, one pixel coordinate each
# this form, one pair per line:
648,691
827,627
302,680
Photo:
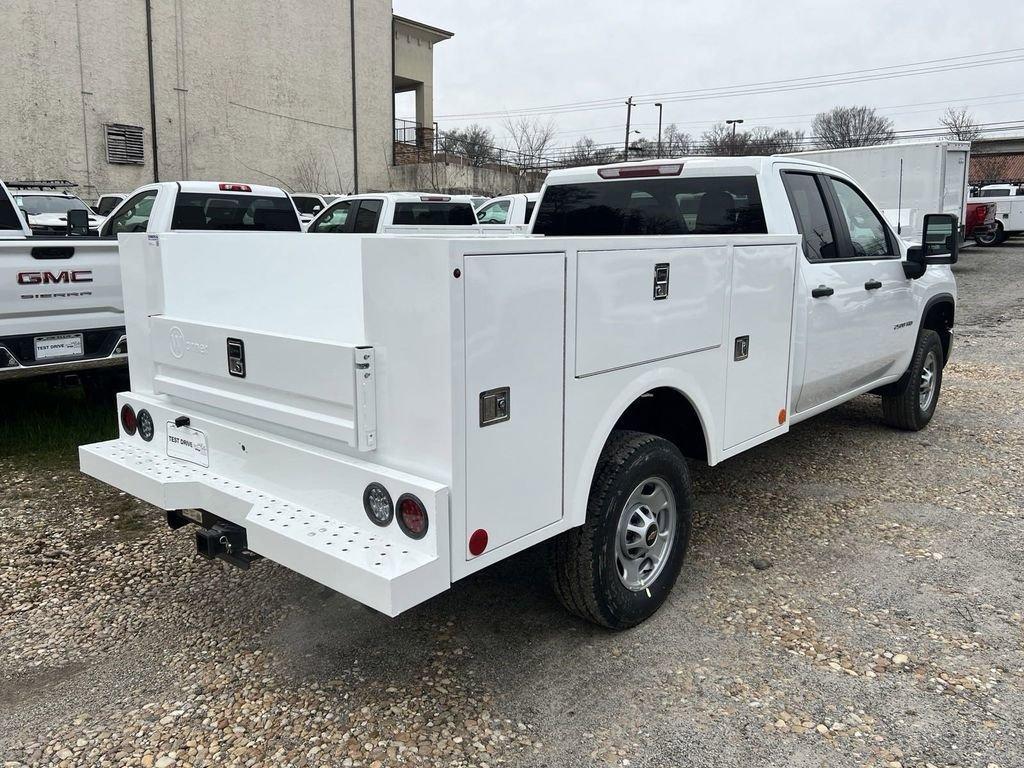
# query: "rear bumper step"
380,568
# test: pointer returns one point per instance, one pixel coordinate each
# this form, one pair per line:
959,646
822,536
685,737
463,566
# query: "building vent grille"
124,144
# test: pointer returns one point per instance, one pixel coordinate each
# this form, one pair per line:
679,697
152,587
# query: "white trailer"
907,180
388,414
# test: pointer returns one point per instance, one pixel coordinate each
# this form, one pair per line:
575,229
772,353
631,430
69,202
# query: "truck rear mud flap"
381,569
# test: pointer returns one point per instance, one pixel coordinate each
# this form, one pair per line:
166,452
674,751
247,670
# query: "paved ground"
887,631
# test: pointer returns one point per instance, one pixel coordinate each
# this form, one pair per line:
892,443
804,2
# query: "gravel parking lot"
855,598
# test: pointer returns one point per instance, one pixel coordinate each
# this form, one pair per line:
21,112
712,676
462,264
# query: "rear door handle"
821,291
872,285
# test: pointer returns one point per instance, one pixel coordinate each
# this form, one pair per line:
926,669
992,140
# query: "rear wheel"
618,568
911,401
995,236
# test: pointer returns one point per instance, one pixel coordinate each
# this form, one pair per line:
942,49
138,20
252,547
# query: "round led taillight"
378,505
412,516
145,422
128,422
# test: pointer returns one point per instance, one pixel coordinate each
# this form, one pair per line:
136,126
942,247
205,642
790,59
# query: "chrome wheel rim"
643,540
929,373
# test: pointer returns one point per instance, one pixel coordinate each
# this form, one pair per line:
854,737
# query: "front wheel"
911,401
619,567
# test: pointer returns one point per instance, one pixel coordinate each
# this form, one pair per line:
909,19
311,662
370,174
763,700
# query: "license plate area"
187,444
60,346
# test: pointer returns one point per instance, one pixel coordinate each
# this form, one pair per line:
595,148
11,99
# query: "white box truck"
907,180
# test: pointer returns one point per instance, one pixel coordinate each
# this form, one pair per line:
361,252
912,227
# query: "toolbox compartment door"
620,321
759,347
515,363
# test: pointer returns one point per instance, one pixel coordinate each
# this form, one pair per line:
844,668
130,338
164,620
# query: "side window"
530,205
334,220
811,215
495,213
367,216
868,233
133,216
9,218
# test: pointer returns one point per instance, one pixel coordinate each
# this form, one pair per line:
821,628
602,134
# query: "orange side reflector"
782,416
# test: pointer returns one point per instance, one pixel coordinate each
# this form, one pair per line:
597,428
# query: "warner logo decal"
50,278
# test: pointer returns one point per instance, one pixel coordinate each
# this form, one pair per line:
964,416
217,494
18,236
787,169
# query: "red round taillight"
412,516
128,421
478,542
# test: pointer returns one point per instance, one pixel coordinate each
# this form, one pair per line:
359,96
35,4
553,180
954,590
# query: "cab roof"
679,167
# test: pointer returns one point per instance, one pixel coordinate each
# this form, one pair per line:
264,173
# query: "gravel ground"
855,599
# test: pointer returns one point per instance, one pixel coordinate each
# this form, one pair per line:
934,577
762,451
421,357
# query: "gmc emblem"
47,278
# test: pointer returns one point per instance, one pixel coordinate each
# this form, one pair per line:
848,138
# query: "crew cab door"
855,291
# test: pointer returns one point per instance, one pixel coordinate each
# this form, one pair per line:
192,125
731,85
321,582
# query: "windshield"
308,204
424,214
200,210
37,204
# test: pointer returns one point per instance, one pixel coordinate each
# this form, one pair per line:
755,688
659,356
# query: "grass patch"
41,417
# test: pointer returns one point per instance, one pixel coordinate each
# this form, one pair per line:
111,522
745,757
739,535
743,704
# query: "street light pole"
629,114
658,105
733,123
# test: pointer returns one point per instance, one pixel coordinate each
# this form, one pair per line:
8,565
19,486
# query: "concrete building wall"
245,90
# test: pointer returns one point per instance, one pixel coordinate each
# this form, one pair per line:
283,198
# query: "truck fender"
578,491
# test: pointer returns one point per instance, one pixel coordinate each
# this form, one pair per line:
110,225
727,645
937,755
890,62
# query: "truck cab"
396,213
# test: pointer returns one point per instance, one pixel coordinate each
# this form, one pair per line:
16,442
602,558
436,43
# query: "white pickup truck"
386,415
1009,202
60,298
402,213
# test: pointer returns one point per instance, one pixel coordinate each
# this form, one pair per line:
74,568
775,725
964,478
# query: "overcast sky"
522,54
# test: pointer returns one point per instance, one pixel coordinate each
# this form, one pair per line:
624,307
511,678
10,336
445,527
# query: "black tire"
902,407
583,562
996,237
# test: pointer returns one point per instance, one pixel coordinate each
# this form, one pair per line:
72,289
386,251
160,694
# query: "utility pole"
733,123
658,105
629,114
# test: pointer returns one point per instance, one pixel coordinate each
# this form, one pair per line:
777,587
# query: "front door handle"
872,285
821,291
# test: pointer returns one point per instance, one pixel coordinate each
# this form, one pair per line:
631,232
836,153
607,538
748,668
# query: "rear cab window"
429,214
234,212
699,205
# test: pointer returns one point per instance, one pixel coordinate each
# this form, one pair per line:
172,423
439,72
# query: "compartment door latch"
660,282
495,406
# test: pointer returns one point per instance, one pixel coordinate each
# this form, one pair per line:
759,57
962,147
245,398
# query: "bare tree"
843,127
310,173
960,124
474,142
675,143
585,151
721,140
531,139
773,141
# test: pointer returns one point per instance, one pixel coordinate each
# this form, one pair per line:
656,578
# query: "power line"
789,84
